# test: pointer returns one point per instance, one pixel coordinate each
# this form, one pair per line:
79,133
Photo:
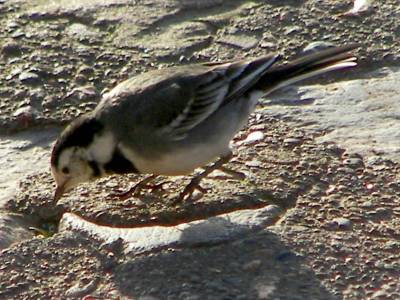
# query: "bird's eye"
65,170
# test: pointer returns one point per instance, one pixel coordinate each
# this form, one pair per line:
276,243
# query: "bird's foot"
194,184
144,184
188,191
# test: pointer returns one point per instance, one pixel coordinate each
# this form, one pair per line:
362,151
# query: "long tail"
307,66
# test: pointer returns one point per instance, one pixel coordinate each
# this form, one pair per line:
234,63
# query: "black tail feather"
307,66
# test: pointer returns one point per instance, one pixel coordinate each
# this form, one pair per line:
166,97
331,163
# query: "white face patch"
66,157
72,168
74,163
102,148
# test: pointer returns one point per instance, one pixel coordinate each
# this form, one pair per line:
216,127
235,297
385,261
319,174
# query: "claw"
194,184
141,185
187,193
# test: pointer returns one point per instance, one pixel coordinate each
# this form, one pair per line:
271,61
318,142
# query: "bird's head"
71,160
73,167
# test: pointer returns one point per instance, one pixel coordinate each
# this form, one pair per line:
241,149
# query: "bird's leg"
235,174
141,185
145,184
194,184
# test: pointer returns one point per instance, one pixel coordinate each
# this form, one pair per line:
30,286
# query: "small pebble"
292,29
340,224
29,78
61,71
85,70
359,7
317,46
369,186
291,142
330,189
11,49
254,163
253,137
354,162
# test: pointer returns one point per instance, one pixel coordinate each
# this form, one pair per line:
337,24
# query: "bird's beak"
59,192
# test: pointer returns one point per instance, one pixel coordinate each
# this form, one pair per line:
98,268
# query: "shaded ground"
339,237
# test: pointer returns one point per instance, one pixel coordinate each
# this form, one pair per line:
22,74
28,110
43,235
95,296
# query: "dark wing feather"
220,84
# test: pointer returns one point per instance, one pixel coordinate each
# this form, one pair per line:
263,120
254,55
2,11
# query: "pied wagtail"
174,120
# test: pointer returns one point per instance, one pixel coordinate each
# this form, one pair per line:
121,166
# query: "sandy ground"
337,232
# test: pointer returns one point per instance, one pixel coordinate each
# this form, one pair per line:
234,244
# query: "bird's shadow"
257,266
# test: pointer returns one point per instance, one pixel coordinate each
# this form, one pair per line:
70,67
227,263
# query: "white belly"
181,162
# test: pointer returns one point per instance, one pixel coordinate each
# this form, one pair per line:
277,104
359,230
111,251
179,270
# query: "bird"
173,120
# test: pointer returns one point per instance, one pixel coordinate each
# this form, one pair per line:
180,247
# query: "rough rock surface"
360,115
